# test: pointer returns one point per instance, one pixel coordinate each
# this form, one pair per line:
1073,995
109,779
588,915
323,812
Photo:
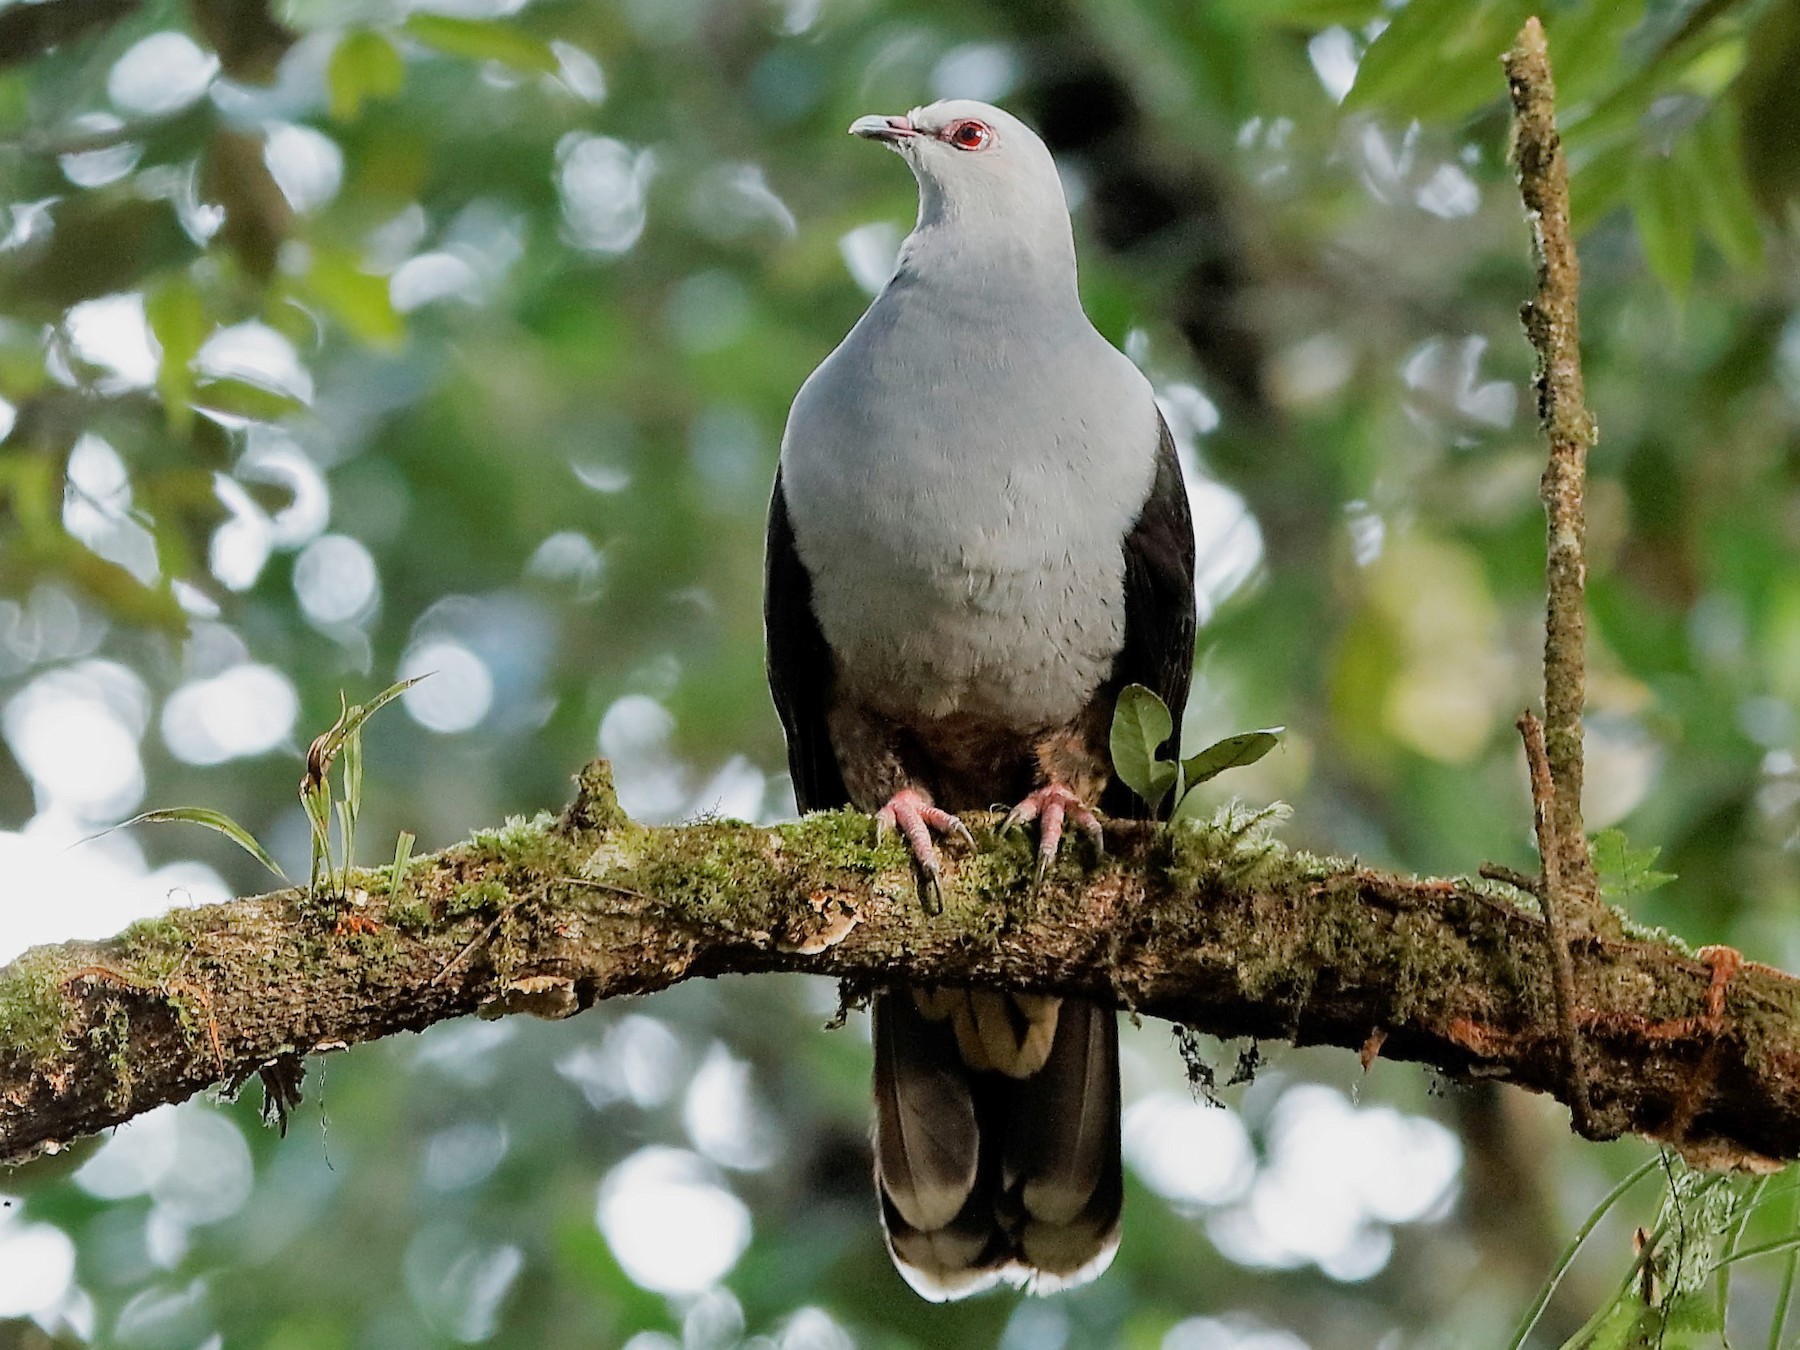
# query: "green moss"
476,899
1237,845
408,912
519,842
151,950
110,1038
596,805
716,873
33,1010
372,946
843,841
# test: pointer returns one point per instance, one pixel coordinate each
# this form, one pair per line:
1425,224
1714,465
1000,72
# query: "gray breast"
963,518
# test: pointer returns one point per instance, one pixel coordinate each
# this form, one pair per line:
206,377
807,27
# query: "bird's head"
974,162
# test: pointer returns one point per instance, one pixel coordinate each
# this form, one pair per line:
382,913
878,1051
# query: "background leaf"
177,318
1667,216
483,40
364,66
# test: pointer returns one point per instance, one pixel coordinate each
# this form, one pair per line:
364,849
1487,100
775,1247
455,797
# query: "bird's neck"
1029,265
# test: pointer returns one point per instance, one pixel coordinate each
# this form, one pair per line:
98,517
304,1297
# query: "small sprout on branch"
343,741
1142,725
1625,871
403,847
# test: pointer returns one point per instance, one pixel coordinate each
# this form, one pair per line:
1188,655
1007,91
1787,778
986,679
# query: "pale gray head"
976,165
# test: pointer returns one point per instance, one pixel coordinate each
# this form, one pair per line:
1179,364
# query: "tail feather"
927,1143
986,1174
963,1257
1062,1149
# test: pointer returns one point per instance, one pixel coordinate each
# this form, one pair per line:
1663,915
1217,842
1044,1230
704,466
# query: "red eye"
969,135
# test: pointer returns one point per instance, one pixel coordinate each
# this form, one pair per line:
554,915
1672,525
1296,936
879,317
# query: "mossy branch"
1219,928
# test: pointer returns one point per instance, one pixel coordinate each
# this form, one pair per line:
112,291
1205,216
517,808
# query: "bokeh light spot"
671,1226
604,185
75,733
159,75
336,581
1188,1152
248,709
459,689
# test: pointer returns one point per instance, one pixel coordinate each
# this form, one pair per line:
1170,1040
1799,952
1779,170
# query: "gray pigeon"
979,535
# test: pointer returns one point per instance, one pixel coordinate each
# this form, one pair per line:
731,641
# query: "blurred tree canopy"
353,339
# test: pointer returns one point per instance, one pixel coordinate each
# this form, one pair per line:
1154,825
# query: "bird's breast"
950,586
960,490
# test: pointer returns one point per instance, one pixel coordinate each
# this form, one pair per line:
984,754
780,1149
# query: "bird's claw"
911,813
1051,806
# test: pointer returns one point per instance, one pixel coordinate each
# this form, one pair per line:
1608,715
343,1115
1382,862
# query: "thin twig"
1552,322
1550,896
1511,877
474,942
611,888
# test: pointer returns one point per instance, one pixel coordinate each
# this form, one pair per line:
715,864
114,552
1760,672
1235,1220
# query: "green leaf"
362,712
1310,15
353,773
178,320
357,299
1141,723
1624,871
1687,1322
1667,221
364,66
1529,1322
1231,753
209,819
1784,1293
1619,1330
1600,184
347,832
316,802
1404,52
403,847
1715,169
1439,59
241,398
1769,116
483,40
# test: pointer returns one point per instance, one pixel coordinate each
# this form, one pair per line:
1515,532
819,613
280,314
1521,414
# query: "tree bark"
1218,927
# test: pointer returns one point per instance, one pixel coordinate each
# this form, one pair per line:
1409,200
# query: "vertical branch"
1553,324
1551,894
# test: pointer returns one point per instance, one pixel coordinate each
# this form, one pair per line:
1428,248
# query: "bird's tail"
996,1139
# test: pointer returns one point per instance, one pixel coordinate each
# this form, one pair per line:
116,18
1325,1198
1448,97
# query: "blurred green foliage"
471,329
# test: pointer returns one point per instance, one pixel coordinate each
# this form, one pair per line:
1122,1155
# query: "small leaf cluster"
340,746
1142,724
1676,1292
1624,871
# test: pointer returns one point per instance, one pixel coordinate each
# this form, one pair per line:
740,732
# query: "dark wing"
1159,604
799,665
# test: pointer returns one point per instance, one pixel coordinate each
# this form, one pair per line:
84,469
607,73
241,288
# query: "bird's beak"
875,127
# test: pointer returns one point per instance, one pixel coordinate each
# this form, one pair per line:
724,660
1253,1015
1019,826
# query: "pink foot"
911,812
1050,806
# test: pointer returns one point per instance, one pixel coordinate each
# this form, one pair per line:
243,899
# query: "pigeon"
978,535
